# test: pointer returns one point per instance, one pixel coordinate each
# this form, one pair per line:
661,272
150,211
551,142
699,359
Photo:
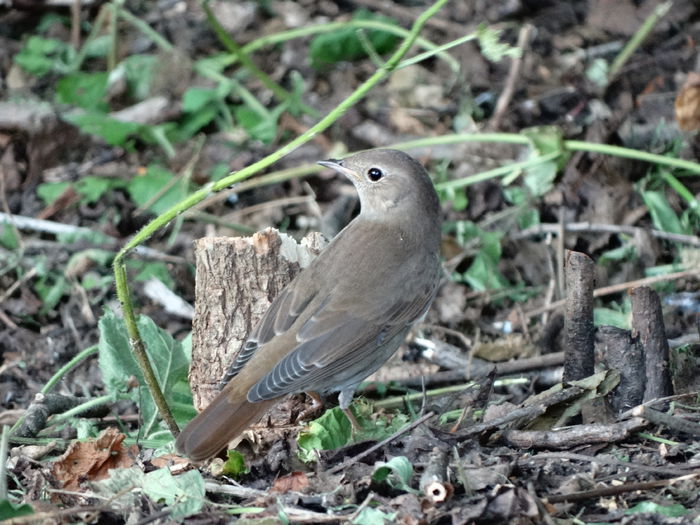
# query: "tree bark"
237,279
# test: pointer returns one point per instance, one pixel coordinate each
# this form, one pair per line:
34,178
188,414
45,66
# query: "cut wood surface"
237,280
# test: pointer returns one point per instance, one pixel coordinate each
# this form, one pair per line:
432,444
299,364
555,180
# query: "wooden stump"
237,279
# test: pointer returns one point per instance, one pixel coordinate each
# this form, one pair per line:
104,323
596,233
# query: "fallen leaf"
688,104
296,482
91,460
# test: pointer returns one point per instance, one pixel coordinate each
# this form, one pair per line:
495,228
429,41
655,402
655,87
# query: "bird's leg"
314,409
345,400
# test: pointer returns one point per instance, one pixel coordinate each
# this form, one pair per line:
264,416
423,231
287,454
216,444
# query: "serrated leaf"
167,357
491,46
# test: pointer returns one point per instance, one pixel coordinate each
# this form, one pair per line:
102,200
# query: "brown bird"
345,314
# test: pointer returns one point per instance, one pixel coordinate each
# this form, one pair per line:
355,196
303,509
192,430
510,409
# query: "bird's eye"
375,174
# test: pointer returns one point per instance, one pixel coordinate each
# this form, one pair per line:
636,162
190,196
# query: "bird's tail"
218,424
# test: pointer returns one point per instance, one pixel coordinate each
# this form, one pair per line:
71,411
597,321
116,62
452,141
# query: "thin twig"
616,288
589,227
512,79
618,489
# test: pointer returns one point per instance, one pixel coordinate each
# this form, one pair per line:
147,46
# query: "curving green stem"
121,282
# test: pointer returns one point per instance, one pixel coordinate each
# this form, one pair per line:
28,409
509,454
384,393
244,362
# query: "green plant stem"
112,31
619,151
681,189
439,50
92,403
637,39
144,28
397,401
497,172
302,32
274,177
232,46
96,28
571,145
120,276
75,361
60,374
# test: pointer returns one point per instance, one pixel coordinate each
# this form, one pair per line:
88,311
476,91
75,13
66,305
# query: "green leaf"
149,269
397,472
9,510
491,46
85,90
674,510
142,189
610,317
662,215
330,431
483,274
114,132
182,494
539,179
235,465
372,516
344,45
545,140
50,191
260,127
51,288
625,252
167,356
195,98
40,56
597,72
8,237
92,188
139,71
333,429
102,257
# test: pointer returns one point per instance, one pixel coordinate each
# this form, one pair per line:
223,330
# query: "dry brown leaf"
169,460
296,482
688,104
91,460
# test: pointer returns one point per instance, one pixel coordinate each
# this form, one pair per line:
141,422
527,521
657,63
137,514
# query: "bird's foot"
314,410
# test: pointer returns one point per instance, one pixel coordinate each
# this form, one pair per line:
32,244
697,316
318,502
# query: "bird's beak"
337,165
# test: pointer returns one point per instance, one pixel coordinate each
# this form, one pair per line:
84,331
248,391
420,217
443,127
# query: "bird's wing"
336,343
279,317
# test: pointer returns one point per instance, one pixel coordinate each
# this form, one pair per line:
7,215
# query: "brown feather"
223,420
